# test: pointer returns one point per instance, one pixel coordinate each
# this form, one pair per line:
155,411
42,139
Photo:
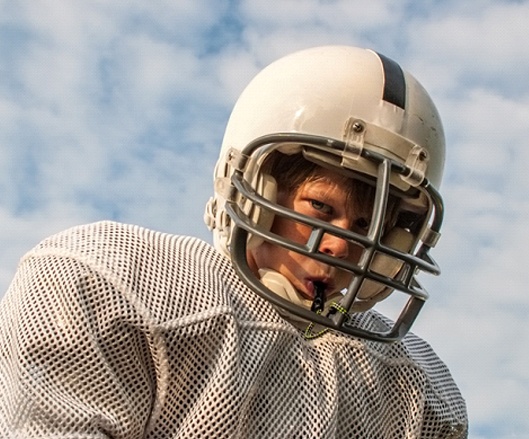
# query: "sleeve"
75,359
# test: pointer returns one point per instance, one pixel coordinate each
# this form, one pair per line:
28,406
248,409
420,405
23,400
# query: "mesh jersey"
111,330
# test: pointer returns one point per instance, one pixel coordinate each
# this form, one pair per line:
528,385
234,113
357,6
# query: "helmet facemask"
394,249
357,113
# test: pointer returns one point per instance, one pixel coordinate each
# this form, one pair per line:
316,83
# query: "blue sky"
116,110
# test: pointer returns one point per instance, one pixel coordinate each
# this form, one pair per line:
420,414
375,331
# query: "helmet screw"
357,127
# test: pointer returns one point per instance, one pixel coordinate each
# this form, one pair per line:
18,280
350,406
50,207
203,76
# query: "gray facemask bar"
405,282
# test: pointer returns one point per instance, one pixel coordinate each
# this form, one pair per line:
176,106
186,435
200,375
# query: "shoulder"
112,239
412,350
162,274
415,360
118,246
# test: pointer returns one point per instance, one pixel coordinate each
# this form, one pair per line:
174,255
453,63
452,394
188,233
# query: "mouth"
318,303
318,286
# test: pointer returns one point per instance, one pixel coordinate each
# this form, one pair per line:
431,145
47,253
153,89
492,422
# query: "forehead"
356,196
323,179
328,185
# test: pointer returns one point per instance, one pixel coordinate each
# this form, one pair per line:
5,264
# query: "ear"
373,292
266,186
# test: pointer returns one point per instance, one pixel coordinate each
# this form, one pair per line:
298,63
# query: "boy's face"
327,198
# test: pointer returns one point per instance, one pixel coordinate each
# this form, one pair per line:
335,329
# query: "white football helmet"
357,111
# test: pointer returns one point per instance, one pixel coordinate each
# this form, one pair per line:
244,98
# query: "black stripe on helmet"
394,83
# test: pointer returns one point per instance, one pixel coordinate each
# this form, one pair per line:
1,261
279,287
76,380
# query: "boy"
111,330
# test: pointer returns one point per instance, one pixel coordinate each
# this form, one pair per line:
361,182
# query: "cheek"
273,257
343,279
291,230
300,234
283,226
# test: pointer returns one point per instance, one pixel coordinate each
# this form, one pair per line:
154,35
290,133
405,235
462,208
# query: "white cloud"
472,44
334,14
116,109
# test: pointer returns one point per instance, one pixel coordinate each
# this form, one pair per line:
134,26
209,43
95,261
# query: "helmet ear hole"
266,186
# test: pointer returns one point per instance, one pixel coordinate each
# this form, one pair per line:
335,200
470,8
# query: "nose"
334,246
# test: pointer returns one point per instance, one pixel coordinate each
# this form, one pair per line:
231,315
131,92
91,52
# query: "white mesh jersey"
114,331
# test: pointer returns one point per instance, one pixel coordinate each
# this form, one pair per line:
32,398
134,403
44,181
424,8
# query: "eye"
362,224
321,207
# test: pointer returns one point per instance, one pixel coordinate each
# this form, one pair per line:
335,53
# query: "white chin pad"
372,292
280,285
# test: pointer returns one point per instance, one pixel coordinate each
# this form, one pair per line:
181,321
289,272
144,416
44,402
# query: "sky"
116,110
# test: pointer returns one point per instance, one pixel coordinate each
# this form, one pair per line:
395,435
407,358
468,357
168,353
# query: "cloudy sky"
115,110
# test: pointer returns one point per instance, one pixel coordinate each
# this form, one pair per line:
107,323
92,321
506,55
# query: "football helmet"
357,112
